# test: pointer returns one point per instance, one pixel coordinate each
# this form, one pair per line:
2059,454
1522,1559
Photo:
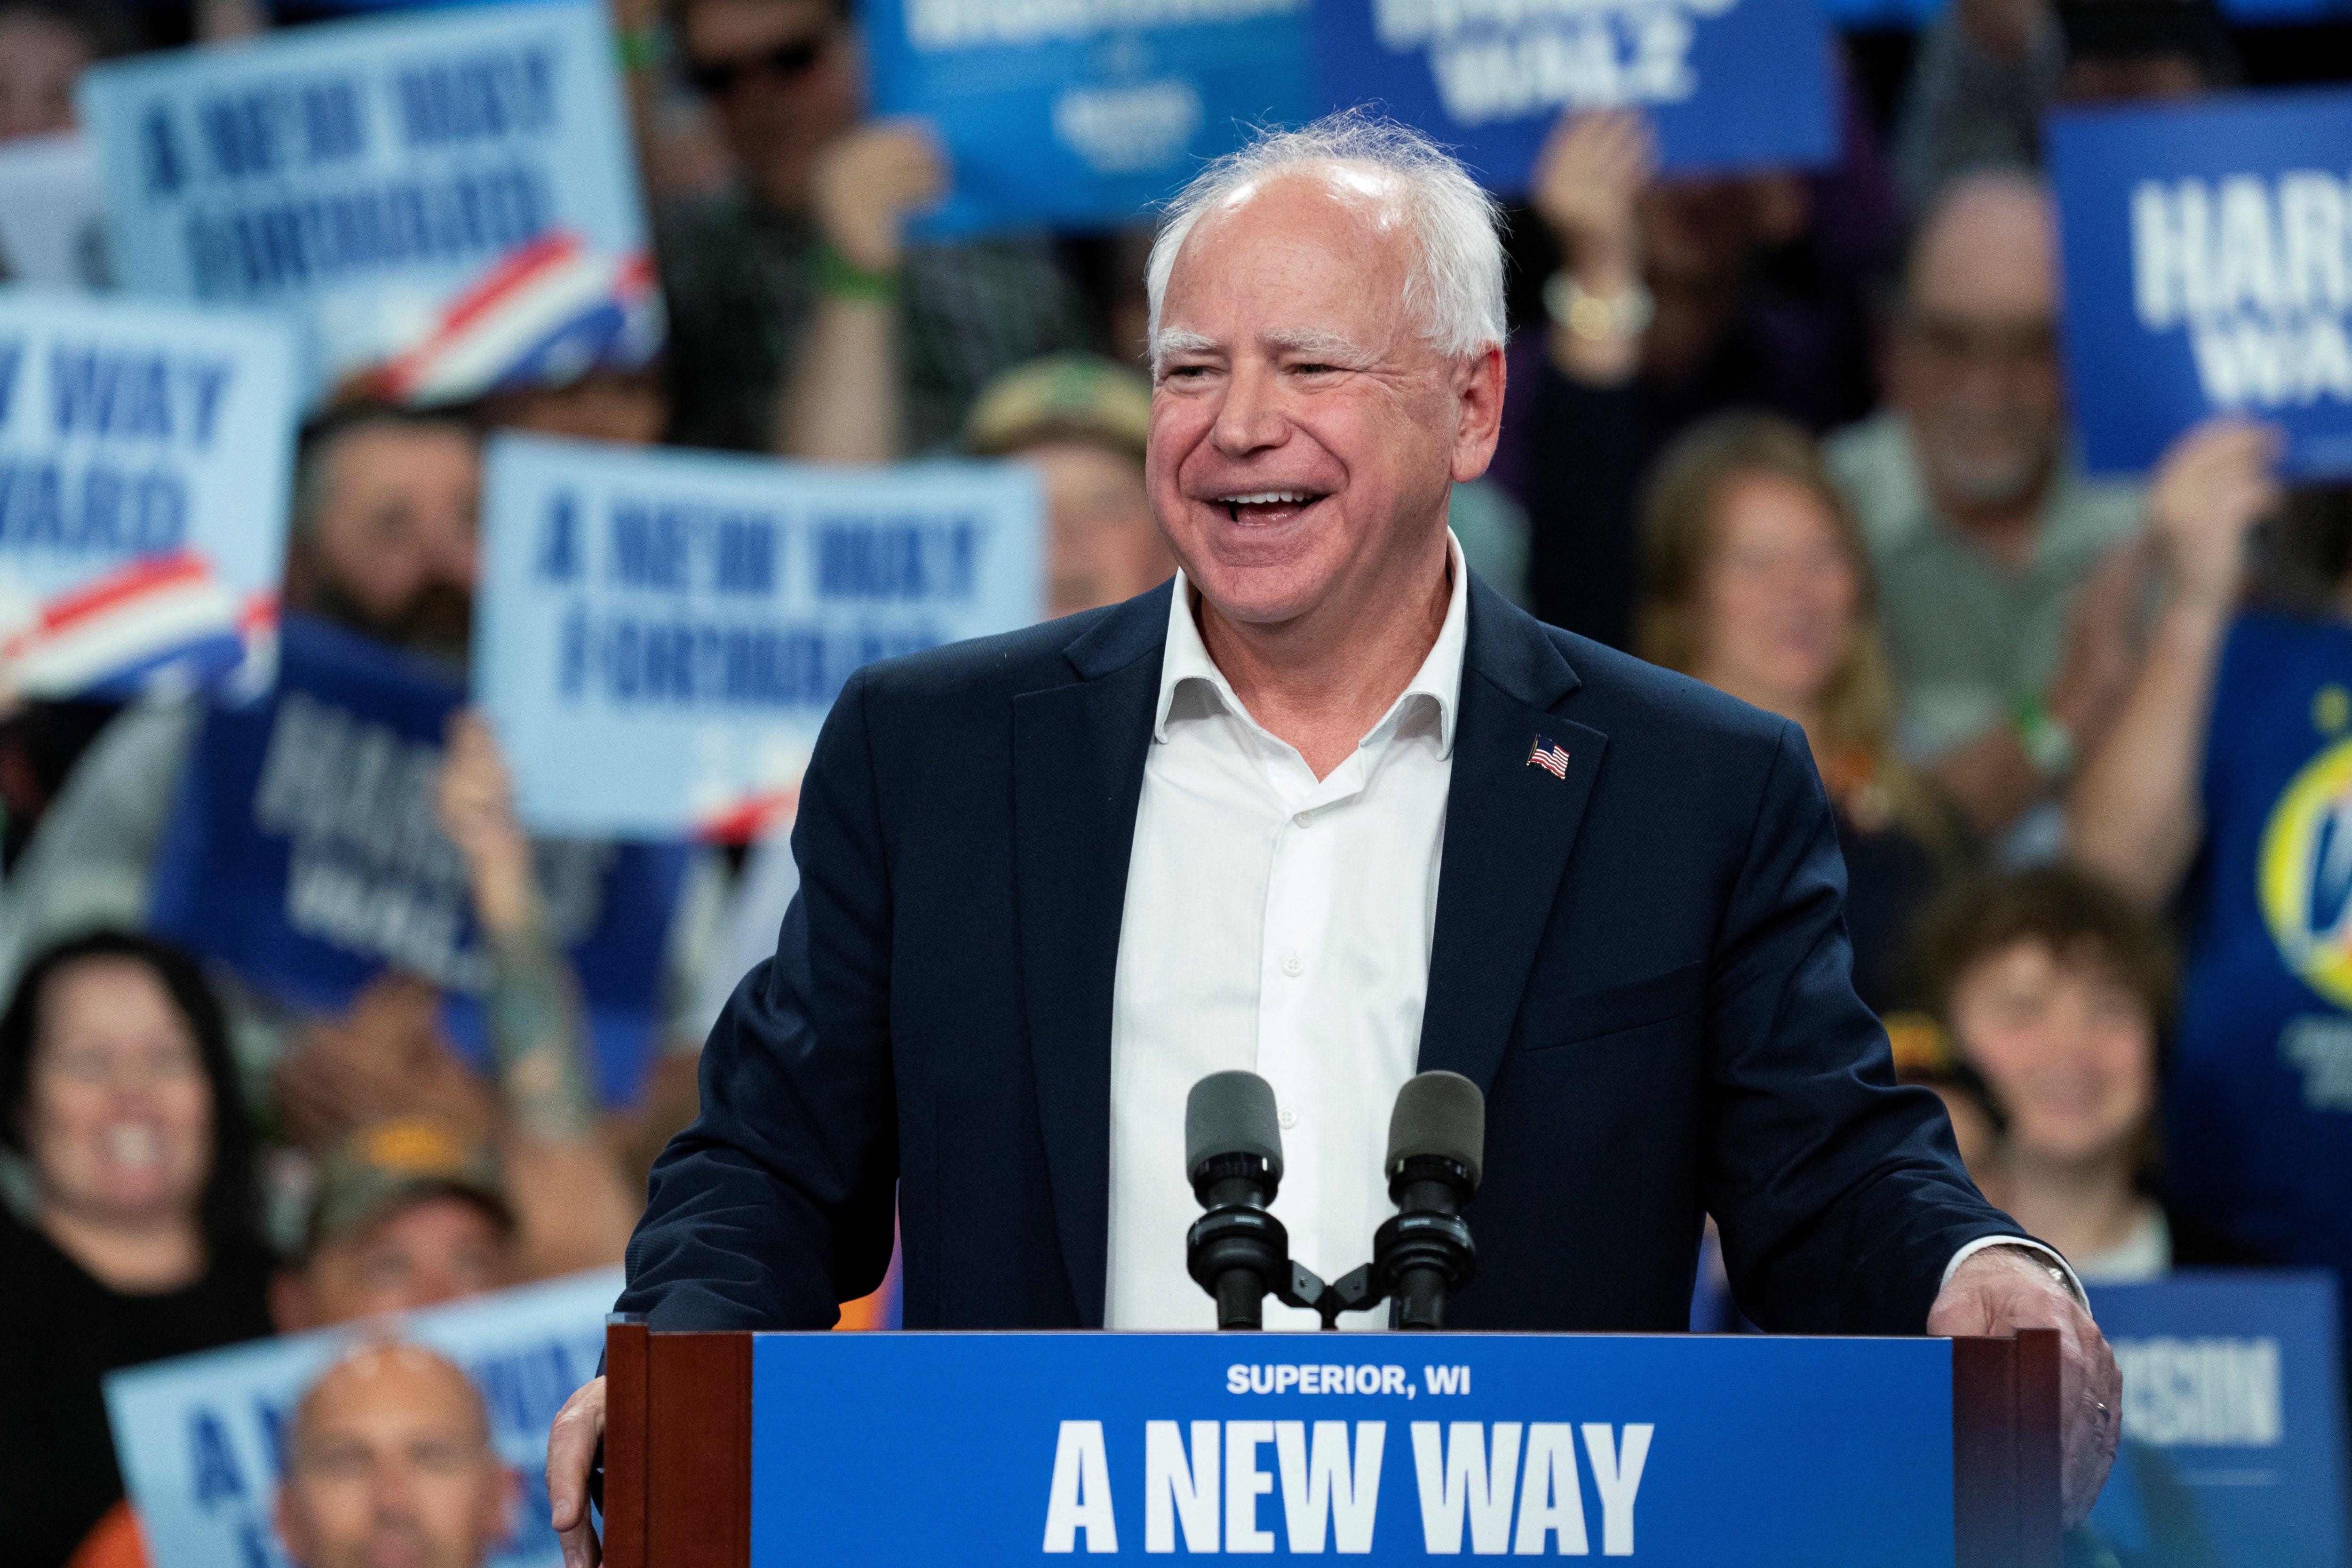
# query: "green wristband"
641,48
839,277
2048,744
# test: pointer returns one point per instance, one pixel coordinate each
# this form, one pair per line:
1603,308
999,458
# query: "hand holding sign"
2211,488
866,184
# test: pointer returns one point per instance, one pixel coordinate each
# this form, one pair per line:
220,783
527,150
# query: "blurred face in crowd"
118,1117
628,407
437,1249
40,58
1105,548
390,546
1305,435
2067,1050
1704,229
1975,364
782,79
1777,597
389,1466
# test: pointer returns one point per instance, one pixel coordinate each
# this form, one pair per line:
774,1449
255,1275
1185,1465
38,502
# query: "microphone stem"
1240,1303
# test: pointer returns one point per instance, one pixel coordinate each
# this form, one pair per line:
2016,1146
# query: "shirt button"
1303,819
1289,1118
1292,966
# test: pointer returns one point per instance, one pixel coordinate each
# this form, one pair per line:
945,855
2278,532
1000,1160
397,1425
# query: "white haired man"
1331,810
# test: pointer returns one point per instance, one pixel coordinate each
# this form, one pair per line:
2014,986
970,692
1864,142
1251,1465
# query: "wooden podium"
688,1466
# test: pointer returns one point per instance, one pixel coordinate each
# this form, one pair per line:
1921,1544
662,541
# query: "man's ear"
1479,382
504,1507
289,1519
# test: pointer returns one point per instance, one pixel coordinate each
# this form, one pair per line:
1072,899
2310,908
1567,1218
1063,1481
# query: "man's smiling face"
1304,432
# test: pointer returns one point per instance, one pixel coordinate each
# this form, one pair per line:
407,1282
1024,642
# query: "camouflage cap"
1062,397
387,1165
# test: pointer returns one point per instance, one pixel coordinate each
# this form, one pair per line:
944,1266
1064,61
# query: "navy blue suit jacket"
1645,966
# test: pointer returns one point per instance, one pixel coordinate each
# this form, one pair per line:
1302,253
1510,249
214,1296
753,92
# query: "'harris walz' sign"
2209,270
662,633
448,198
1728,83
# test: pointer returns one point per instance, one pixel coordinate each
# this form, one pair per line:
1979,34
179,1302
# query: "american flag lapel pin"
1550,755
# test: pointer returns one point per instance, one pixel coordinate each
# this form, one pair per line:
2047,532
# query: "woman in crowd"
1756,581
137,1235
2055,993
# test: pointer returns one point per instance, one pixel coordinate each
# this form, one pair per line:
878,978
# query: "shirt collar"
1438,680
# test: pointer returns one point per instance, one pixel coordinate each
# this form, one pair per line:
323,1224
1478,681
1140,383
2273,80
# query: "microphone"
1437,1140
1232,1152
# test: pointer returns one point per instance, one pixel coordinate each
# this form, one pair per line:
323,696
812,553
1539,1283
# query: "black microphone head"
1439,1115
1232,1113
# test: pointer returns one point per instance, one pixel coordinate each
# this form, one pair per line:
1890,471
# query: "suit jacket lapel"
1077,775
1509,827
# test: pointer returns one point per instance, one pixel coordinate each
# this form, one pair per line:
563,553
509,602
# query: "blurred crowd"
1803,436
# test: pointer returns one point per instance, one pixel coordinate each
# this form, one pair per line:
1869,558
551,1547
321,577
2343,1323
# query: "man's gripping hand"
2003,1289
572,1443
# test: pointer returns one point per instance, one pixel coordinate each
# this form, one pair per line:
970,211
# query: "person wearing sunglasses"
802,321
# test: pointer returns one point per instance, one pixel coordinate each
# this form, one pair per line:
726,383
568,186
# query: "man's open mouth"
1267,506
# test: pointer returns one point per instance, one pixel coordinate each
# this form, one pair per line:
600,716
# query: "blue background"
936,1448
1765,94
2134,390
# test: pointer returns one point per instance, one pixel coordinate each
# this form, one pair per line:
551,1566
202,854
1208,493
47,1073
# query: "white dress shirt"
1279,923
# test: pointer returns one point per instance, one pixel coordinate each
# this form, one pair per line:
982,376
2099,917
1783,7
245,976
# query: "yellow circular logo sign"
2305,874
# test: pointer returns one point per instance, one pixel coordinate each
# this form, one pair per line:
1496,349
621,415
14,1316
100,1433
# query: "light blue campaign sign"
2233,1443
145,454
1000,1448
2208,255
448,199
660,634
202,1439
1082,113
1728,83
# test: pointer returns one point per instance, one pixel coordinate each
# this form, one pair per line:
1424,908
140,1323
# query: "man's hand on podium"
572,1443
2003,1289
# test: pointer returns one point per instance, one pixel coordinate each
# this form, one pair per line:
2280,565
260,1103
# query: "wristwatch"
1596,317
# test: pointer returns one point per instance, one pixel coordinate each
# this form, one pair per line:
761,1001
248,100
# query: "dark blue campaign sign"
303,853
1082,113
1728,83
2207,271
1001,1448
2233,1443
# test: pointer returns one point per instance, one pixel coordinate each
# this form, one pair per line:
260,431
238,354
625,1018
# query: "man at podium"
1329,809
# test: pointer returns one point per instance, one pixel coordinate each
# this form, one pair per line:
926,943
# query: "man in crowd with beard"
2008,581
389,1461
384,545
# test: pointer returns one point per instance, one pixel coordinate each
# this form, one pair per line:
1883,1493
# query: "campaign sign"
202,1439
1000,1448
661,633
2233,1444
304,854
2207,259
145,453
1728,83
449,199
52,220
1083,112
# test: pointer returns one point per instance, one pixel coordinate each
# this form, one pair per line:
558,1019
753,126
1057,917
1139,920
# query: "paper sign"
202,1439
448,199
52,218
1083,114
145,455
2233,1445
661,633
1728,83
2207,270
304,854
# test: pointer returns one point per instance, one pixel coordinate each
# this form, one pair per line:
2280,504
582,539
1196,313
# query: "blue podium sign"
2233,1442
1083,114
1728,83
2206,271
661,634
1000,1448
448,200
